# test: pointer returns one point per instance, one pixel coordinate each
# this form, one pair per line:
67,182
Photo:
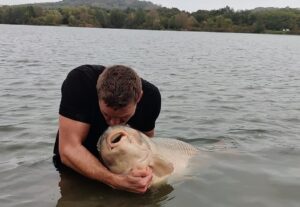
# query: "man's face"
117,116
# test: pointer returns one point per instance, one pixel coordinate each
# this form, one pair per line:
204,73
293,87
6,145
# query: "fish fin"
161,167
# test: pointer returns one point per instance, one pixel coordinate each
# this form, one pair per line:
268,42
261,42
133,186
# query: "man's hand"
138,181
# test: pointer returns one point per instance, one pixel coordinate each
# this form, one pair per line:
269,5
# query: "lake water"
240,90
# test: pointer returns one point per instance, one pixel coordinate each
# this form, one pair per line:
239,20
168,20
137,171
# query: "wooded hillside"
261,20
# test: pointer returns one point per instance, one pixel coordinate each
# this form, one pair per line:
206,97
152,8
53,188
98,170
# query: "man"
93,98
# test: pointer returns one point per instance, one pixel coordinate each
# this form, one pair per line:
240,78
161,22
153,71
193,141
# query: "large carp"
123,149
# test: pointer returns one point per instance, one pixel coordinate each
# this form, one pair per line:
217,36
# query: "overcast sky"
194,5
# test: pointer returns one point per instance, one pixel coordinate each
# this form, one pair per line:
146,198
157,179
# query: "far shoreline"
162,30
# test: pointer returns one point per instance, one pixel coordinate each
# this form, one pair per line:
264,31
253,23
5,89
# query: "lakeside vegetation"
263,20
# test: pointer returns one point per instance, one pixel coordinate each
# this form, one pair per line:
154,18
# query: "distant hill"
263,9
107,4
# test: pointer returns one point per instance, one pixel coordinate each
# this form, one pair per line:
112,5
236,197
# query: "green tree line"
276,20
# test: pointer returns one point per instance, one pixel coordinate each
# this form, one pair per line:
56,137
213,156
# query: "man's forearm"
82,161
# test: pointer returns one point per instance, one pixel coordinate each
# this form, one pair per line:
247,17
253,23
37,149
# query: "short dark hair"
118,85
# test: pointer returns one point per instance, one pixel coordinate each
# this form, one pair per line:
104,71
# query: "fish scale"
176,145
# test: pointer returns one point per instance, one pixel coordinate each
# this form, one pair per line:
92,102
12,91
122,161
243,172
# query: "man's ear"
140,96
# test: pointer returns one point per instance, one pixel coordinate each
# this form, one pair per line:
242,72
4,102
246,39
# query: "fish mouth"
115,138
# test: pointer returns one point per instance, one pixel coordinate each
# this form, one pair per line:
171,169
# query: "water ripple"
240,89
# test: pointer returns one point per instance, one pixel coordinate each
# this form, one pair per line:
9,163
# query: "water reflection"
77,190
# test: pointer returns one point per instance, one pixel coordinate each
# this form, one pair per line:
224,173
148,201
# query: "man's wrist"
107,178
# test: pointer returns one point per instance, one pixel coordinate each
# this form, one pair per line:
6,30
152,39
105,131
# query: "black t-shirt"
79,101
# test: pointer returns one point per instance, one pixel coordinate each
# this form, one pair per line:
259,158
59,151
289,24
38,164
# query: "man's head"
119,89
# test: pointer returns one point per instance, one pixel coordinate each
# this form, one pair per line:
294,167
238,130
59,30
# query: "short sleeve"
154,110
148,108
77,97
